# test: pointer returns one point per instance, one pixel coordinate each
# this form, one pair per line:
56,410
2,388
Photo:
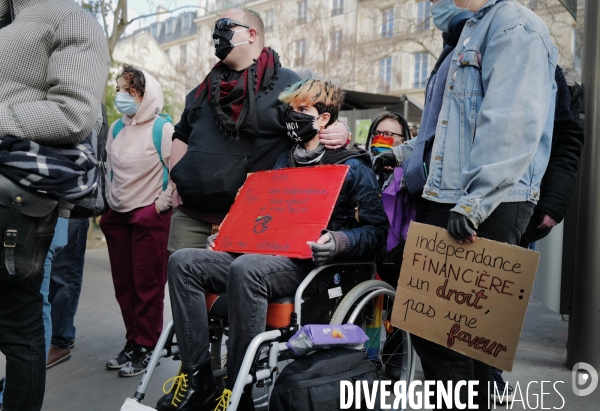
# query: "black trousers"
22,342
506,224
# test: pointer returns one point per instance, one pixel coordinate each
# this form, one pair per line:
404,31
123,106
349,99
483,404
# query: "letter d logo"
582,375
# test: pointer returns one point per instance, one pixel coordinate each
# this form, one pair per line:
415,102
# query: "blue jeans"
65,283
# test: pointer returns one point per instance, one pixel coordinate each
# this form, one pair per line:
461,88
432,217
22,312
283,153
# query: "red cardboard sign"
276,212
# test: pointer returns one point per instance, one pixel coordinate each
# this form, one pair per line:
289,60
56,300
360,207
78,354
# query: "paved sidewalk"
84,384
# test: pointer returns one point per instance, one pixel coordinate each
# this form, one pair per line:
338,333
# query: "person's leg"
58,242
440,363
22,342
65,283
186,232
252,281
149,255
117,230
191,272
506,224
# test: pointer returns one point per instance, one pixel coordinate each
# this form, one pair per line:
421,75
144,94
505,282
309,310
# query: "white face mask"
444,11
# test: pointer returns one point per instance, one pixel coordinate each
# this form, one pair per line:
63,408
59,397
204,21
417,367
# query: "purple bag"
324,336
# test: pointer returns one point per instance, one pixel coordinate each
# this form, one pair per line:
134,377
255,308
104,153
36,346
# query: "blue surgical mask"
444,11
125,104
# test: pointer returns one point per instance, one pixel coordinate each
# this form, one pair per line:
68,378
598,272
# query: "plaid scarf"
66,172
233,102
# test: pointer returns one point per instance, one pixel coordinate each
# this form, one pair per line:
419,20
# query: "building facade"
374,46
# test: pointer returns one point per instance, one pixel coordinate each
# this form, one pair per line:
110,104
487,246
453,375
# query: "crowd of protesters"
497,113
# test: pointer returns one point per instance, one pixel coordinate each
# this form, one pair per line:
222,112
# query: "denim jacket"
494,131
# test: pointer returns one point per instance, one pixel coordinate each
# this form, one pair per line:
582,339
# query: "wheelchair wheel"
369,305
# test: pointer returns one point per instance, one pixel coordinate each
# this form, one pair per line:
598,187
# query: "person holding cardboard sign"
356,230
484,141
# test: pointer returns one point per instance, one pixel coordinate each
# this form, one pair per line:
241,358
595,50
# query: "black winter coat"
561,174
358,212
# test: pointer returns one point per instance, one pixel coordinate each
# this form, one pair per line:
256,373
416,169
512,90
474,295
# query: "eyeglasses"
226,23
387,133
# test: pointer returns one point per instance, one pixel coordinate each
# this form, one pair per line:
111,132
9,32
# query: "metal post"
584,321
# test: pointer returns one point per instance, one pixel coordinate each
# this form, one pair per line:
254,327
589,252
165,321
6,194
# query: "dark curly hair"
134,78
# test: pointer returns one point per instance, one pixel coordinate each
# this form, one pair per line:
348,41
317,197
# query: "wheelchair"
339,293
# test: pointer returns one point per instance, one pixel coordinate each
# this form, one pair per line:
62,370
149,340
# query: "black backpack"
96,204
312,383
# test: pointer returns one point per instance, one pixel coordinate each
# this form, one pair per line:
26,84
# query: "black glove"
322,253
380,161
459,226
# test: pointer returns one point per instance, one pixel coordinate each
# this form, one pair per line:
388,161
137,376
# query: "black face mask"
222,41
300,126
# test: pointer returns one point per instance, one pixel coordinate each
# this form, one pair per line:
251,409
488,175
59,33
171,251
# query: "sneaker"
123,358
71,344
502,393
139,361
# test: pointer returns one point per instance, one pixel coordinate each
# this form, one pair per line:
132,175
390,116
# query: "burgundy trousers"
137,248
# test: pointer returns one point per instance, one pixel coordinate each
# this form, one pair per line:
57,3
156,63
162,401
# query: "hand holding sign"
276,212
323,250
471,298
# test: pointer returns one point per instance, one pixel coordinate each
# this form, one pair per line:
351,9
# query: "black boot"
193,390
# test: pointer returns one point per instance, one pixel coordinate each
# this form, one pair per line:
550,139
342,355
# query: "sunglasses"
387,133
226,24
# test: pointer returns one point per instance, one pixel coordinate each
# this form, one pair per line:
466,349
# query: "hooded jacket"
54,66
136,169
358,211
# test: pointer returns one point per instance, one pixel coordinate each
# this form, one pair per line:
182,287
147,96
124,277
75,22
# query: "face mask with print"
125,104
444,11
300,126
222,42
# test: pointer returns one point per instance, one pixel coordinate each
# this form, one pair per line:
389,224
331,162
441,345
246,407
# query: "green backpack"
156,138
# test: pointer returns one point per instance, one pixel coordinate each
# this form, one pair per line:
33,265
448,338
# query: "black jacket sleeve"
561,173
368,236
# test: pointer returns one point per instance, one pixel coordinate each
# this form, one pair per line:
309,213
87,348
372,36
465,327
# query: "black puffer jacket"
561,174
358,212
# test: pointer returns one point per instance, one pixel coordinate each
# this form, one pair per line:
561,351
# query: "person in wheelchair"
356,231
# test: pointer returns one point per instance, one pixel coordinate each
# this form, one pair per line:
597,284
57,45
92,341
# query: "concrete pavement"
84,384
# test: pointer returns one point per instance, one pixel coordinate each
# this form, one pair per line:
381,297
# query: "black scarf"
233,101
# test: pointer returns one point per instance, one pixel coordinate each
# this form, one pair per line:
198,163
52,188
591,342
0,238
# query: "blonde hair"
253,19
323,95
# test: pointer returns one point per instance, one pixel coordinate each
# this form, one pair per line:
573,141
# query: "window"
338,7
421,70
268,21
186,22
387,25
423,15
336,44
385,75
154,30
168,52
300,53
183,54
302,12
169,27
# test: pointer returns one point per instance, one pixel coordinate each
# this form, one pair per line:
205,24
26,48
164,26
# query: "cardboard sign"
471,298
276,212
